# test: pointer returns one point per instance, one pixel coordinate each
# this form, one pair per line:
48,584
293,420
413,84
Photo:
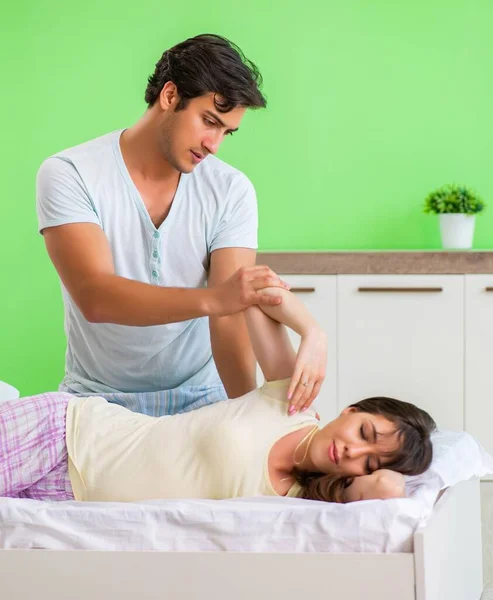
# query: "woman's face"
356,443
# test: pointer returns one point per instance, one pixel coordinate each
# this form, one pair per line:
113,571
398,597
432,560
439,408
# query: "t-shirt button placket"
155,256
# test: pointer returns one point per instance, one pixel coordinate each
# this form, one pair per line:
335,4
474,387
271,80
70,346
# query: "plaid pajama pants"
33,453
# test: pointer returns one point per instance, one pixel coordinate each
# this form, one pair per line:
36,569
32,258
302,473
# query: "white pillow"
457,456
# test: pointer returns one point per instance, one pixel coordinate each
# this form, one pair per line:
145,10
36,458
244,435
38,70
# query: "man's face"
188,136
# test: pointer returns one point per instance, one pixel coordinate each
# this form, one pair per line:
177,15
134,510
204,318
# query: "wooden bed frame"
446,565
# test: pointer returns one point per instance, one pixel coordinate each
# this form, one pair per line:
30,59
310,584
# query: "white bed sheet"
269,524
248,525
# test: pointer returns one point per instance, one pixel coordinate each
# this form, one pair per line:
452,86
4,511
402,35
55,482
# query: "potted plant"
456,206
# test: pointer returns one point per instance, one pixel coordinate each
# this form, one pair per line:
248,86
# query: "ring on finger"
305,383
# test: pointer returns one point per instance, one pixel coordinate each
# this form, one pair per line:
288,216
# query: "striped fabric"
167,402
33,453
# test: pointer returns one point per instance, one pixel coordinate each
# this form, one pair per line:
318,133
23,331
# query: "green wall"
371,105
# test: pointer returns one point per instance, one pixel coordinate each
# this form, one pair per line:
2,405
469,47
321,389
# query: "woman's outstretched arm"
275,354
271,345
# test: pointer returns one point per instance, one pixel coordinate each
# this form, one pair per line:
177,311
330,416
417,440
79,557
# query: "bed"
424,547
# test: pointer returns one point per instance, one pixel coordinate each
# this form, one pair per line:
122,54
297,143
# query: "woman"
56,446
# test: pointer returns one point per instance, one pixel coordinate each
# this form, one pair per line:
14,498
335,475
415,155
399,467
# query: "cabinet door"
479,358
318,293
403,336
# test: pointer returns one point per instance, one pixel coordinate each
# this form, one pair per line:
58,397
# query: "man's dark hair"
208,63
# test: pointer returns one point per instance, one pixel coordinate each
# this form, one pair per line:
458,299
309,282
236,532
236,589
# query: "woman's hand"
309,370
382,484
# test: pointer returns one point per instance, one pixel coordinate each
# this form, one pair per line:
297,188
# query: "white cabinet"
426,339
479,358
403,336
318,293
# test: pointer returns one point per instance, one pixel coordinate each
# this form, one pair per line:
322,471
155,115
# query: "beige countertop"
379,262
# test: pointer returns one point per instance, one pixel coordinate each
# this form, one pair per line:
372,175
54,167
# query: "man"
138,222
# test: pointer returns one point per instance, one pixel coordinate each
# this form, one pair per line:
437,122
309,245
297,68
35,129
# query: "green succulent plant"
453,199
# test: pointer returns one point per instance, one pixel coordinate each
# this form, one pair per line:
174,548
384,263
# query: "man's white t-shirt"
214,207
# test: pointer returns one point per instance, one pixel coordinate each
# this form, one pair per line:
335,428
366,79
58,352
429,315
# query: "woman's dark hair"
208,63
327,488
413,427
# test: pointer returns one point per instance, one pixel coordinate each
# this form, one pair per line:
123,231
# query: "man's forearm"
114,299
233,354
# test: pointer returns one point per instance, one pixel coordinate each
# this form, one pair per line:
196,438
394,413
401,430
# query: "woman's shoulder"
277,389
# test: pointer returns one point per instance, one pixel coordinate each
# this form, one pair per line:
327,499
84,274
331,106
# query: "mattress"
268,524
244,525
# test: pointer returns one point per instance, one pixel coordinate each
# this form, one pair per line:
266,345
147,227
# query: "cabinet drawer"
479,358
403,336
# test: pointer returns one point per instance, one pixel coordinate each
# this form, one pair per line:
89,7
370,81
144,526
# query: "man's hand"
244,288
309,370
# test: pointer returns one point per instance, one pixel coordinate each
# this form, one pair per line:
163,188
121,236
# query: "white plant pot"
457,230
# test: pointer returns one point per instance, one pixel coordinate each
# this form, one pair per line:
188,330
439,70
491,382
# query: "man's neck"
143,157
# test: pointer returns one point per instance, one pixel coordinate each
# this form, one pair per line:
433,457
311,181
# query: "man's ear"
168,95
